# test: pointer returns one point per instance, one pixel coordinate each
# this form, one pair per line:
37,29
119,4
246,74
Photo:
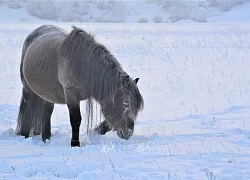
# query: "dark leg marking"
46,124
75,121
24,117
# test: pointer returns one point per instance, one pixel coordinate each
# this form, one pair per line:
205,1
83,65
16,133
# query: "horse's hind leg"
103,127
34,115
46,124
26,115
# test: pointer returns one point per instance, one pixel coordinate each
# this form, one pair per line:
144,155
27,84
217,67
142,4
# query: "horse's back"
39,32
40,62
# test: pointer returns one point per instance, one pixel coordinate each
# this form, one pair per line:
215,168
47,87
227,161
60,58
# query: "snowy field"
195,80
127,11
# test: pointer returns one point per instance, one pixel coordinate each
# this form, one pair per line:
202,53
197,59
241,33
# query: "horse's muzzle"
125,134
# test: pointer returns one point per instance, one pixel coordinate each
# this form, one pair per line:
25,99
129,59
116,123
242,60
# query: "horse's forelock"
136,98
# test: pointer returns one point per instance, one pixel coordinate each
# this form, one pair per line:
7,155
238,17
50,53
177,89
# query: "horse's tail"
31,113
34,112
34,115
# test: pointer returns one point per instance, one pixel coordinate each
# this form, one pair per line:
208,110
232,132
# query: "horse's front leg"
73,103
103,127
75,121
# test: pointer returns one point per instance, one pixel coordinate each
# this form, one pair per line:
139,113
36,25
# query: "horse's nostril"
121,132
125,135
130,133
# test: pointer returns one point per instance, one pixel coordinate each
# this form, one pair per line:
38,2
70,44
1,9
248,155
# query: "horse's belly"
51,95
51,91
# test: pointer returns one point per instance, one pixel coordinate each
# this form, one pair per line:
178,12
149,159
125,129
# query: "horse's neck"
105,89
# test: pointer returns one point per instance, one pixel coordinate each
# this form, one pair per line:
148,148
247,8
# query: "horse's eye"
125,104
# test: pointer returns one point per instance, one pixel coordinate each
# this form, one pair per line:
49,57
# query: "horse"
60,67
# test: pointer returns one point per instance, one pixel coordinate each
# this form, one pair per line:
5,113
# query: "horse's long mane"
96,66
93,61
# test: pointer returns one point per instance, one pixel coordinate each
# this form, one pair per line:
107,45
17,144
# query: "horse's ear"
76,28
136,80
125,81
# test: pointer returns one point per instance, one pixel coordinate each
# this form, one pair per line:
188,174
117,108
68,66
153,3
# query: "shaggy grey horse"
65,68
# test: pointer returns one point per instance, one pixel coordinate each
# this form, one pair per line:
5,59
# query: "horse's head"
122,111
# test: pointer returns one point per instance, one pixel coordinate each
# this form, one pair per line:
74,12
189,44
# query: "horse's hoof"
75,143
99,130
45,138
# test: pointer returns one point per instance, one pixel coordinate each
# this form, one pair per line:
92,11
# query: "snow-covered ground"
195,124
129,11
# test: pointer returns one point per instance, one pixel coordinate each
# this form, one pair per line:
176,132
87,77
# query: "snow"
195,124
194,77
128,11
